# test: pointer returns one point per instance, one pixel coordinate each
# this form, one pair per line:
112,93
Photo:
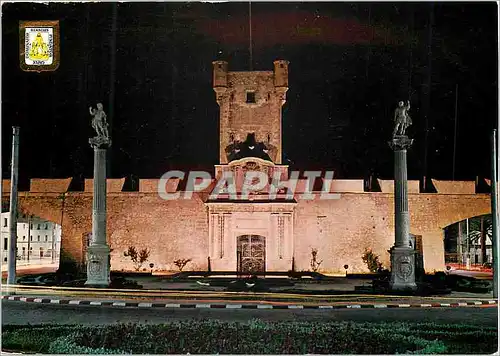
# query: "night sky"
349,66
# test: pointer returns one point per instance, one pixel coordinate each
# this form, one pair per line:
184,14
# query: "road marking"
380,305
12,298
264,306
199,306
233,306
37,300
119,304
325,307
295,307
355,306
172,305
95,303
492,301
404,305
23,299
145,305
54,301
478,303
76,302
426,305
445,304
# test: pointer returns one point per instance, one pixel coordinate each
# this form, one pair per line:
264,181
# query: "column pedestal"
402,253
402,268
98,266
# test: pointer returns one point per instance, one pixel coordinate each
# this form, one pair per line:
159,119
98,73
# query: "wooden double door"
251,251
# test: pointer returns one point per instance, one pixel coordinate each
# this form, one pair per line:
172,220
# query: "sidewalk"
22,266
31,268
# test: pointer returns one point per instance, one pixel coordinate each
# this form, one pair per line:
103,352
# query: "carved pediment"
251,164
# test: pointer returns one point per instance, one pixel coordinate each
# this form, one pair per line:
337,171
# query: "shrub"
372,261
314,260
181,263
32,339
212,337
138,258
254,337
67,345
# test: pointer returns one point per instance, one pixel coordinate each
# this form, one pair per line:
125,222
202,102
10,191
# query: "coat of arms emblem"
404,267
39,45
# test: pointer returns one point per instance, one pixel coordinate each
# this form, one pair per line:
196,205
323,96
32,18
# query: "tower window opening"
250,97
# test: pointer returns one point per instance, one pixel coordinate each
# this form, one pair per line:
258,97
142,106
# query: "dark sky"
349,65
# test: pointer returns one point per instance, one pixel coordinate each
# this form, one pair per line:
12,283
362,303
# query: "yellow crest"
39,45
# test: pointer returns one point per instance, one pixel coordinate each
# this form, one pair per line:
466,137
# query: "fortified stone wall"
340,229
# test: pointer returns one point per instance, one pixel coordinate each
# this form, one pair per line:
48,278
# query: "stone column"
98,259
402,254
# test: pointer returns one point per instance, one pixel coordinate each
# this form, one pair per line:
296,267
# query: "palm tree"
475,230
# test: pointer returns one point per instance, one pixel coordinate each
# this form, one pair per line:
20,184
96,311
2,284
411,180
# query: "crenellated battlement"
176,185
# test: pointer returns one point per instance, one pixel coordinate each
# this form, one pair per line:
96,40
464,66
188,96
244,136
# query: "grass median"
254,337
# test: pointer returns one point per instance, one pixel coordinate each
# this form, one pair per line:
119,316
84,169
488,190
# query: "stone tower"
250,111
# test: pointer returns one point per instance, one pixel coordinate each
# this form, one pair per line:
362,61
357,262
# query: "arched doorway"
251,250
468,243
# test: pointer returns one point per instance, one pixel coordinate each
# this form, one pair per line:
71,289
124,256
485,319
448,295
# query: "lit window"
250,97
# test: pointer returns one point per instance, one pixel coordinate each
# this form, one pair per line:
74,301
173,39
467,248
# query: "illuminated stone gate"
250,140
230,221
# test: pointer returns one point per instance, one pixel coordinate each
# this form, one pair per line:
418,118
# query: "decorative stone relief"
221,235
404,268
281,234
212,234
95,265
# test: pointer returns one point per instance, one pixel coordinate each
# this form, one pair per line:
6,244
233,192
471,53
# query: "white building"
40,237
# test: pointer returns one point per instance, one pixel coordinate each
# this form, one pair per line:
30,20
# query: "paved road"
23,313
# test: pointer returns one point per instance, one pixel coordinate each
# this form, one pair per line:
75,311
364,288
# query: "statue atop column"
402,254
100,125
402,119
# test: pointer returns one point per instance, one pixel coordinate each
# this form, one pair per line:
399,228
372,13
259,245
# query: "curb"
241,306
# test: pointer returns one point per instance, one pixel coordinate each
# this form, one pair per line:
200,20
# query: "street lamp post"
12,245
494,212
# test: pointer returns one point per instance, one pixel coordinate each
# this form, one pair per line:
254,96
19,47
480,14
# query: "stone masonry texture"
173,229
